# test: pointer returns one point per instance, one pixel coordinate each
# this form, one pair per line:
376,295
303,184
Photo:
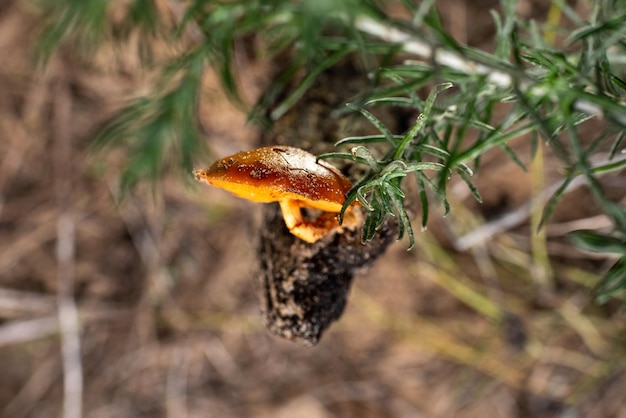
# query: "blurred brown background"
163,284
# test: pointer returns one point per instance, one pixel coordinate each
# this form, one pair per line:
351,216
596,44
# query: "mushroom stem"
296,223
312,231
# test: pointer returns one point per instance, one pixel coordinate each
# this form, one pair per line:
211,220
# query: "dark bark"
304,287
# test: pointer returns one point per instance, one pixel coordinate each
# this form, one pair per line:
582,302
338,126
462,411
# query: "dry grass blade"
509,220
17,332
17,303
69,325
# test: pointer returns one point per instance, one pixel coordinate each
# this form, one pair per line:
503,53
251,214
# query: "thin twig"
592,222
14,302
512,219
68,319
412,45
422,49
65,253
517,216
16,332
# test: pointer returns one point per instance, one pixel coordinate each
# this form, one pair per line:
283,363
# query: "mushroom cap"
277,173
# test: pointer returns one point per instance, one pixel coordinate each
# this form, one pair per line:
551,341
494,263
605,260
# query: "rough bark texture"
304,286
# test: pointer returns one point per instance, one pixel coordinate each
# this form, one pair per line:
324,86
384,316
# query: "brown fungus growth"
290,176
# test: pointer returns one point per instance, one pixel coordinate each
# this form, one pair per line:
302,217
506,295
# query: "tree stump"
304,287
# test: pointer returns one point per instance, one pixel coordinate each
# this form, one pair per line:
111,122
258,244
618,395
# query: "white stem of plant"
422,49
68,319
519,215
451,60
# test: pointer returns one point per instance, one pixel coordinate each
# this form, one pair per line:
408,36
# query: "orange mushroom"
292,177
